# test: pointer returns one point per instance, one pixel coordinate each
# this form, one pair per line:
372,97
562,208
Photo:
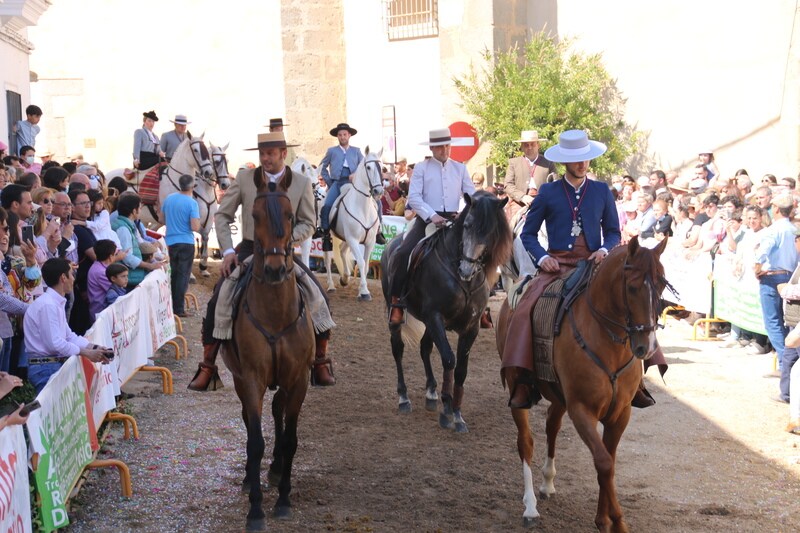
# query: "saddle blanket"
543,325
226,303
148,188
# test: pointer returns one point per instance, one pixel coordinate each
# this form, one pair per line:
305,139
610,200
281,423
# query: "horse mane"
274,211
492,225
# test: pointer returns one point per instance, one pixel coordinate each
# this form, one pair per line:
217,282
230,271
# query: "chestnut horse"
608,329
272,345
448,290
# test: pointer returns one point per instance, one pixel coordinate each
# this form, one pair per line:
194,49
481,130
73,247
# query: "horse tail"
412,331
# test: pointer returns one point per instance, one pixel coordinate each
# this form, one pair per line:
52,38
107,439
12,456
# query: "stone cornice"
15,39
17,15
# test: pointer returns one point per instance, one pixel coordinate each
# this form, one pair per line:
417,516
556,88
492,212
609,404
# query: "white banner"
691,278
15,501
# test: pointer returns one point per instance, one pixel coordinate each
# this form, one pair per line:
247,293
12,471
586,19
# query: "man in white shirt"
48,339
434,193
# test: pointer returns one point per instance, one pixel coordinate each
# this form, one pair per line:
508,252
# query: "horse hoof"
431,405
461,427
205,273
446,422
331,289
343,282
256,524
404,408
545,495
365,297
530,522
282,513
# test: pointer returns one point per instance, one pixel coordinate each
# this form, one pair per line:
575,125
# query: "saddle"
422,250
333,215
549,312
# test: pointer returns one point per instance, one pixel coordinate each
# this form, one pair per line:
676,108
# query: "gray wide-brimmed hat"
574,146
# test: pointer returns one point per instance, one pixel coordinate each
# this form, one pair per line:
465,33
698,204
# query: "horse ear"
633,246
467,199
202,135
658,250
380,153
225,148
366,151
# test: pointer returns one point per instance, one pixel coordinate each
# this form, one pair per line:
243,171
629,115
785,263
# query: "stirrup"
402,307
326,362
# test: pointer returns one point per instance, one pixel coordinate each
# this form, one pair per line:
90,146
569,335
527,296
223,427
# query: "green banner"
736,296
60,435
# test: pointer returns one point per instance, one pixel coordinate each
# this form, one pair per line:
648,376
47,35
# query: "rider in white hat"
582,223
434,193
528,172
171,139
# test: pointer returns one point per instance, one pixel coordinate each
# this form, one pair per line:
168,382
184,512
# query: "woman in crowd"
707,160
9,303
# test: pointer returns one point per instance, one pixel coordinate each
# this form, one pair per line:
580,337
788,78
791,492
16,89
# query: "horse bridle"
372,186
266,252
629,327
223,158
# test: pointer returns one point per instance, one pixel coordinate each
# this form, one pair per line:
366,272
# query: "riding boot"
396,311
642,398
322,371
207,377
327,243
486,319
317,233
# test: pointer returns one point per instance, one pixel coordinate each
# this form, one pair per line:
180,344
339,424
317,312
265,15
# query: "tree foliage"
549,88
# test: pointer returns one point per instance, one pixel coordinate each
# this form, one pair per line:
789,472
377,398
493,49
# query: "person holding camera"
48,339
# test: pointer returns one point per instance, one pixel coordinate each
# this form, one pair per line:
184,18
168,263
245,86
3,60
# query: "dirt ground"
710,456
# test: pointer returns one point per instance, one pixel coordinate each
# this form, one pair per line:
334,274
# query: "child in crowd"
148,252
97,282
99,221
117,274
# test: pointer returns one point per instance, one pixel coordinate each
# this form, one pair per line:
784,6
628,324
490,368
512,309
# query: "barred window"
411,19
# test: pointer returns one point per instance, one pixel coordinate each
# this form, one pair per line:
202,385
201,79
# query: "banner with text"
690,277
736,294
15,500
64,437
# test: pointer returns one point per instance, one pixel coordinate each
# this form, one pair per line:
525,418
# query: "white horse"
193,158
357,223
302,166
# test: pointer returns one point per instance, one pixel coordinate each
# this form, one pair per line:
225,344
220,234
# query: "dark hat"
343,126
271,140
151,115
276,123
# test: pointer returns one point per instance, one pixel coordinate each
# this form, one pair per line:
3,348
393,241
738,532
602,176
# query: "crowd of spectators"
54,215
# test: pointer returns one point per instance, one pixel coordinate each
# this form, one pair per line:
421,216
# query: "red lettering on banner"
7,469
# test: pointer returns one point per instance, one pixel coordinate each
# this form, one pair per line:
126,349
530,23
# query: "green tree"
550,88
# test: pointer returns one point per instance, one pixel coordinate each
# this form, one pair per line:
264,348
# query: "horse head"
486,238
273,219
202,159
220,162
643,284
369,175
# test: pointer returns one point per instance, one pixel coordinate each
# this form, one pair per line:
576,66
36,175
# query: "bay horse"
448,290
272,346
607,331
357,223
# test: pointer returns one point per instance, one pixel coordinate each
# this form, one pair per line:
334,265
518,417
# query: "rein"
369,180
266,252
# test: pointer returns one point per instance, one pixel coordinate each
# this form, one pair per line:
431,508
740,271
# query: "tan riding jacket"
243,192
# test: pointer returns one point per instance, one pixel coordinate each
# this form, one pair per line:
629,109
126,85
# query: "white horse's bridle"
373,187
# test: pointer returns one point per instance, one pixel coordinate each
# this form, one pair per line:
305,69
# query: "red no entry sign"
465,141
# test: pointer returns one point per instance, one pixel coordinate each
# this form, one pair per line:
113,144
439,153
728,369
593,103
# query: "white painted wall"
405,74
220,64
14,76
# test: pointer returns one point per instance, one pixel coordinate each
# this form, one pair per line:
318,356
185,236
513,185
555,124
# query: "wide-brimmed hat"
343,126
438,137
180,120
276,123
574,146
706,152
147,248
273,139
151,115
529,136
